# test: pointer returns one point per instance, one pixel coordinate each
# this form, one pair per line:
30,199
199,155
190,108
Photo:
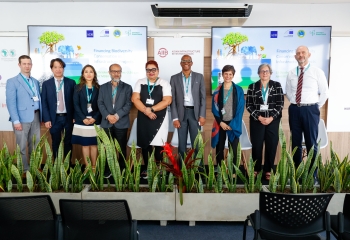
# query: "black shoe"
107,174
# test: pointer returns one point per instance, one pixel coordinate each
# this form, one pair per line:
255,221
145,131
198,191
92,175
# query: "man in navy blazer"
24,105
114,102
188,105
58,106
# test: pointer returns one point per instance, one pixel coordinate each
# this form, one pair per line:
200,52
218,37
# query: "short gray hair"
265,65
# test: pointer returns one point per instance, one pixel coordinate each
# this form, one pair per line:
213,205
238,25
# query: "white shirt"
166,88
189,92
57,86
315,86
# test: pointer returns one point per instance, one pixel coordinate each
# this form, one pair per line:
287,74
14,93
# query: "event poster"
97,46
168,53
10,50
247,47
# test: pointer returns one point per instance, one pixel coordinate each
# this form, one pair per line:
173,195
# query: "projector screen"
247,47
97,46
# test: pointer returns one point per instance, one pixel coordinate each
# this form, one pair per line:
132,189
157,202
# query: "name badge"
223,112
36,99
187,99
264,107
89,108
150,101
58,103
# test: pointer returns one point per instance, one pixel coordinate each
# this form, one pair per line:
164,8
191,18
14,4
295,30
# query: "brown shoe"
24,175
267,176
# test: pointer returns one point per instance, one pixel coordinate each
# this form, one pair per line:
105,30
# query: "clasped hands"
225,126
112,119
265,121
148,112
88,121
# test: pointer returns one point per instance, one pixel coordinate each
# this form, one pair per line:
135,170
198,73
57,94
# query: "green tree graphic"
233,40
50,39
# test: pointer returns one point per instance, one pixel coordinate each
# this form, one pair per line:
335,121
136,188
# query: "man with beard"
114,102
307,91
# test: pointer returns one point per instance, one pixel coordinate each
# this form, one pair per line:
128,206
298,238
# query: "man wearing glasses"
114,102
188,105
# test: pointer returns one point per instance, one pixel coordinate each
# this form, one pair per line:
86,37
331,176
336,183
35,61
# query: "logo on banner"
131,33
273,34
314,33
162,52
301,33
104,33
117,33
90,33
8,55
4,53
288,33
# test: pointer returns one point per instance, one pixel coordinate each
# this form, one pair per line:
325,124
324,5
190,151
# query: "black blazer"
80,105
275,100
49,99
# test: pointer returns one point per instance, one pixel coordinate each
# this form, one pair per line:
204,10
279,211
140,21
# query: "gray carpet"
151,230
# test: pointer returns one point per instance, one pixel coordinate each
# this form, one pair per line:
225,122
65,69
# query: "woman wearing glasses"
265,102
151,97
227,108
86,114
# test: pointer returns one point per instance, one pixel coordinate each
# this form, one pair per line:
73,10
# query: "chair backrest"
293,213
322,135
29,217
133,134
96,219
243,139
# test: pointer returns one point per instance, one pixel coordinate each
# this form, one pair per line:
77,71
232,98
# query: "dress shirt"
315,86
189,93
57,86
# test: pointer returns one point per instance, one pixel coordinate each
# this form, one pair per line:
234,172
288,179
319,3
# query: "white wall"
16,16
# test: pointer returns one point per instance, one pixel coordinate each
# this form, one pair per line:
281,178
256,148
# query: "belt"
303,104
189,107
35,111
61,114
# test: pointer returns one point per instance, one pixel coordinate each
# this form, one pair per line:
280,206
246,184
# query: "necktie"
60,97
300,86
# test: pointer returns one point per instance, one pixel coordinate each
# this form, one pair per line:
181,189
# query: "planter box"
143,205
215,206
54,196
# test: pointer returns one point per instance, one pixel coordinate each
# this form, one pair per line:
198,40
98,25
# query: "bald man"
307,91
114,102
188,105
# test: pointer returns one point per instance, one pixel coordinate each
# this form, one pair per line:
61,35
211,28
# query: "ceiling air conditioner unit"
195,16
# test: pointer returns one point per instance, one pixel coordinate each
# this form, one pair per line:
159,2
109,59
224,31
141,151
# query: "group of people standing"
74,109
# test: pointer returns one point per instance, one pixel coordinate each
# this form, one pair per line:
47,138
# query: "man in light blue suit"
24,105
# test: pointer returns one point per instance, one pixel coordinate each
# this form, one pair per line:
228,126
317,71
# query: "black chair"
97,219
290,216
31,217
341,223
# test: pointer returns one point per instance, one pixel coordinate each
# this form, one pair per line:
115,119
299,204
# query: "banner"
339,85
168,53
97,46
10,49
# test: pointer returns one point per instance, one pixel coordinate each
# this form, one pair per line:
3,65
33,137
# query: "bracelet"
152,110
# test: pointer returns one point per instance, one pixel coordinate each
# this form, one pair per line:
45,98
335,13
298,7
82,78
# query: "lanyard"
87,93
30,87
264,91
228,94
60,87
187,84
114,91
149,88
304,69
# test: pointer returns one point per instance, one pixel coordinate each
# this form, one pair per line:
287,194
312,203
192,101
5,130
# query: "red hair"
152,62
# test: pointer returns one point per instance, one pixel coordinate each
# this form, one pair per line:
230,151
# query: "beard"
115,80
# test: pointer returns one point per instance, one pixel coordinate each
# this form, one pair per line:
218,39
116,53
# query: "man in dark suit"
114,102
58,106
24,105
188,105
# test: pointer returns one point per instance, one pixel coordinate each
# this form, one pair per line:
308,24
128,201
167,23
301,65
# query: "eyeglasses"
153,70
115,71
186,61
265,71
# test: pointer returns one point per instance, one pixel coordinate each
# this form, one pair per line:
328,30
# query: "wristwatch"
152,110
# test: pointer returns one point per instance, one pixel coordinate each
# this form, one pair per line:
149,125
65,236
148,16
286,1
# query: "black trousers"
121,135
221,146
305,120
259,134
62,123
146,152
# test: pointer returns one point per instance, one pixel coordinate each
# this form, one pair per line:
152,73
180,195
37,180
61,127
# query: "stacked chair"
341,223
